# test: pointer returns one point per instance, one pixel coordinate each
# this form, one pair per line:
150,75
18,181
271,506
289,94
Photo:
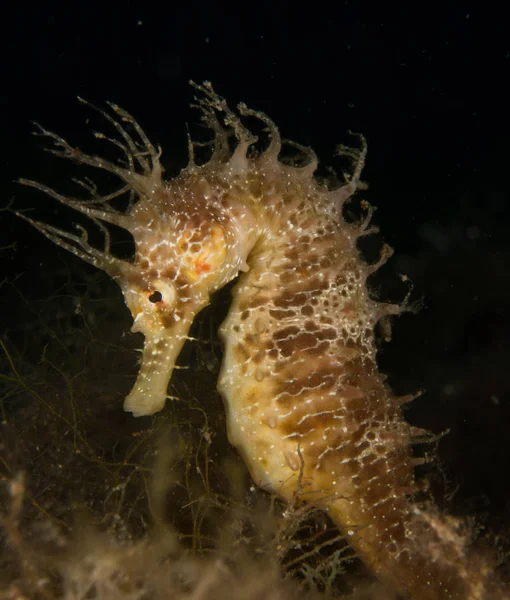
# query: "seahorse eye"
161,291
156,297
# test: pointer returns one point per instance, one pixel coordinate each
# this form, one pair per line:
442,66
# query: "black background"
428,87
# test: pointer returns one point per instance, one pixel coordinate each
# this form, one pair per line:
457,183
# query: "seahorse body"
306,405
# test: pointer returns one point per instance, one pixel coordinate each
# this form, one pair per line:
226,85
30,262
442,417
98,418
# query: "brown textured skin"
306,405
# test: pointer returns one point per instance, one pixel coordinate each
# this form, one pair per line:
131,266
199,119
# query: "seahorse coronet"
304,398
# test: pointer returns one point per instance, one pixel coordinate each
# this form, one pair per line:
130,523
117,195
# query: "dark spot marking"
251,339
291,299
281,314
286,332
242,353
297,343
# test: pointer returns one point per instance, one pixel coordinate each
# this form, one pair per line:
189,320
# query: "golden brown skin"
306,405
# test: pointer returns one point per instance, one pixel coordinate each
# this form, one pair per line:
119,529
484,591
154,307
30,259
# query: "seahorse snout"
161,350
163,313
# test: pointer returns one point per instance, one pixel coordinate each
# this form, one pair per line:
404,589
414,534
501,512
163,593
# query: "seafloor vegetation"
97,504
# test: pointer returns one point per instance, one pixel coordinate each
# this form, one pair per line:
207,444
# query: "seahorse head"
187,247
190,237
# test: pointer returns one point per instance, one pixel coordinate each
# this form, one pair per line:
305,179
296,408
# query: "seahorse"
306,405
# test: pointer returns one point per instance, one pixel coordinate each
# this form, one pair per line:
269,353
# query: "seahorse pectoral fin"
161,349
